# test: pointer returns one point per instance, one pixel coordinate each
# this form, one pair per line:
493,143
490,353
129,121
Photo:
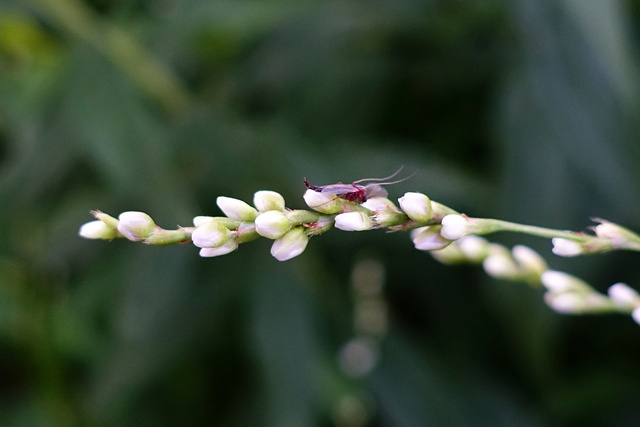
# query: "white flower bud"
417,206
475,248
268,201
272,224
566,247
560,282
353,221
529,260
290,245
623,295
236,209
454,226
323,202
499,264
199,220
97,230
230,246
565,303
379,204
450,254
429,239
635,315
135,226
210,235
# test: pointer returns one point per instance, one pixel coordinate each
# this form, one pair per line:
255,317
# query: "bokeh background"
525,110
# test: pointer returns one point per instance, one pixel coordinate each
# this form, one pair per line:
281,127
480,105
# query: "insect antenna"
379,179
385,178
397,181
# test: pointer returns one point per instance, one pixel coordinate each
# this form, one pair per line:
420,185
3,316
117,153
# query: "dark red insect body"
354,192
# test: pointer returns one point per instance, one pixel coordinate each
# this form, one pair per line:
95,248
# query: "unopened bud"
475,248
429,238
272,224
268,201
560,282
529,260
565,303
454,226
230,246
500,264
323,202
135,226
417,206
623,295
236,209
353,221
566,247
211,234
97,230
290,245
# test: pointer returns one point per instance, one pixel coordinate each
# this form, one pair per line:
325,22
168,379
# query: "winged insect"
356,191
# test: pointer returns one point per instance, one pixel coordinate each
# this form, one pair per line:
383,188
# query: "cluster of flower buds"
289,229
451,237
565,293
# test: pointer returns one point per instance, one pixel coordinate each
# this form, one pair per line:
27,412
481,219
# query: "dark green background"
524,110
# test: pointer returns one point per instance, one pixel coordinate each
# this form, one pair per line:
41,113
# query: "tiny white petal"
236,209
268,201
623,295
454,226
228,247
566,247
635,315
272,224
353,221
97,230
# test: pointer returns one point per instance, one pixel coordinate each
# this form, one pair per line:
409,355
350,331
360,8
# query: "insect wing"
340,189
376,190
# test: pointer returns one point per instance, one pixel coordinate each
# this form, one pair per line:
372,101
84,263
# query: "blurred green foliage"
523,110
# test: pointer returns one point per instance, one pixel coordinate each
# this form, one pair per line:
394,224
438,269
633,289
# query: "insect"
355,192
